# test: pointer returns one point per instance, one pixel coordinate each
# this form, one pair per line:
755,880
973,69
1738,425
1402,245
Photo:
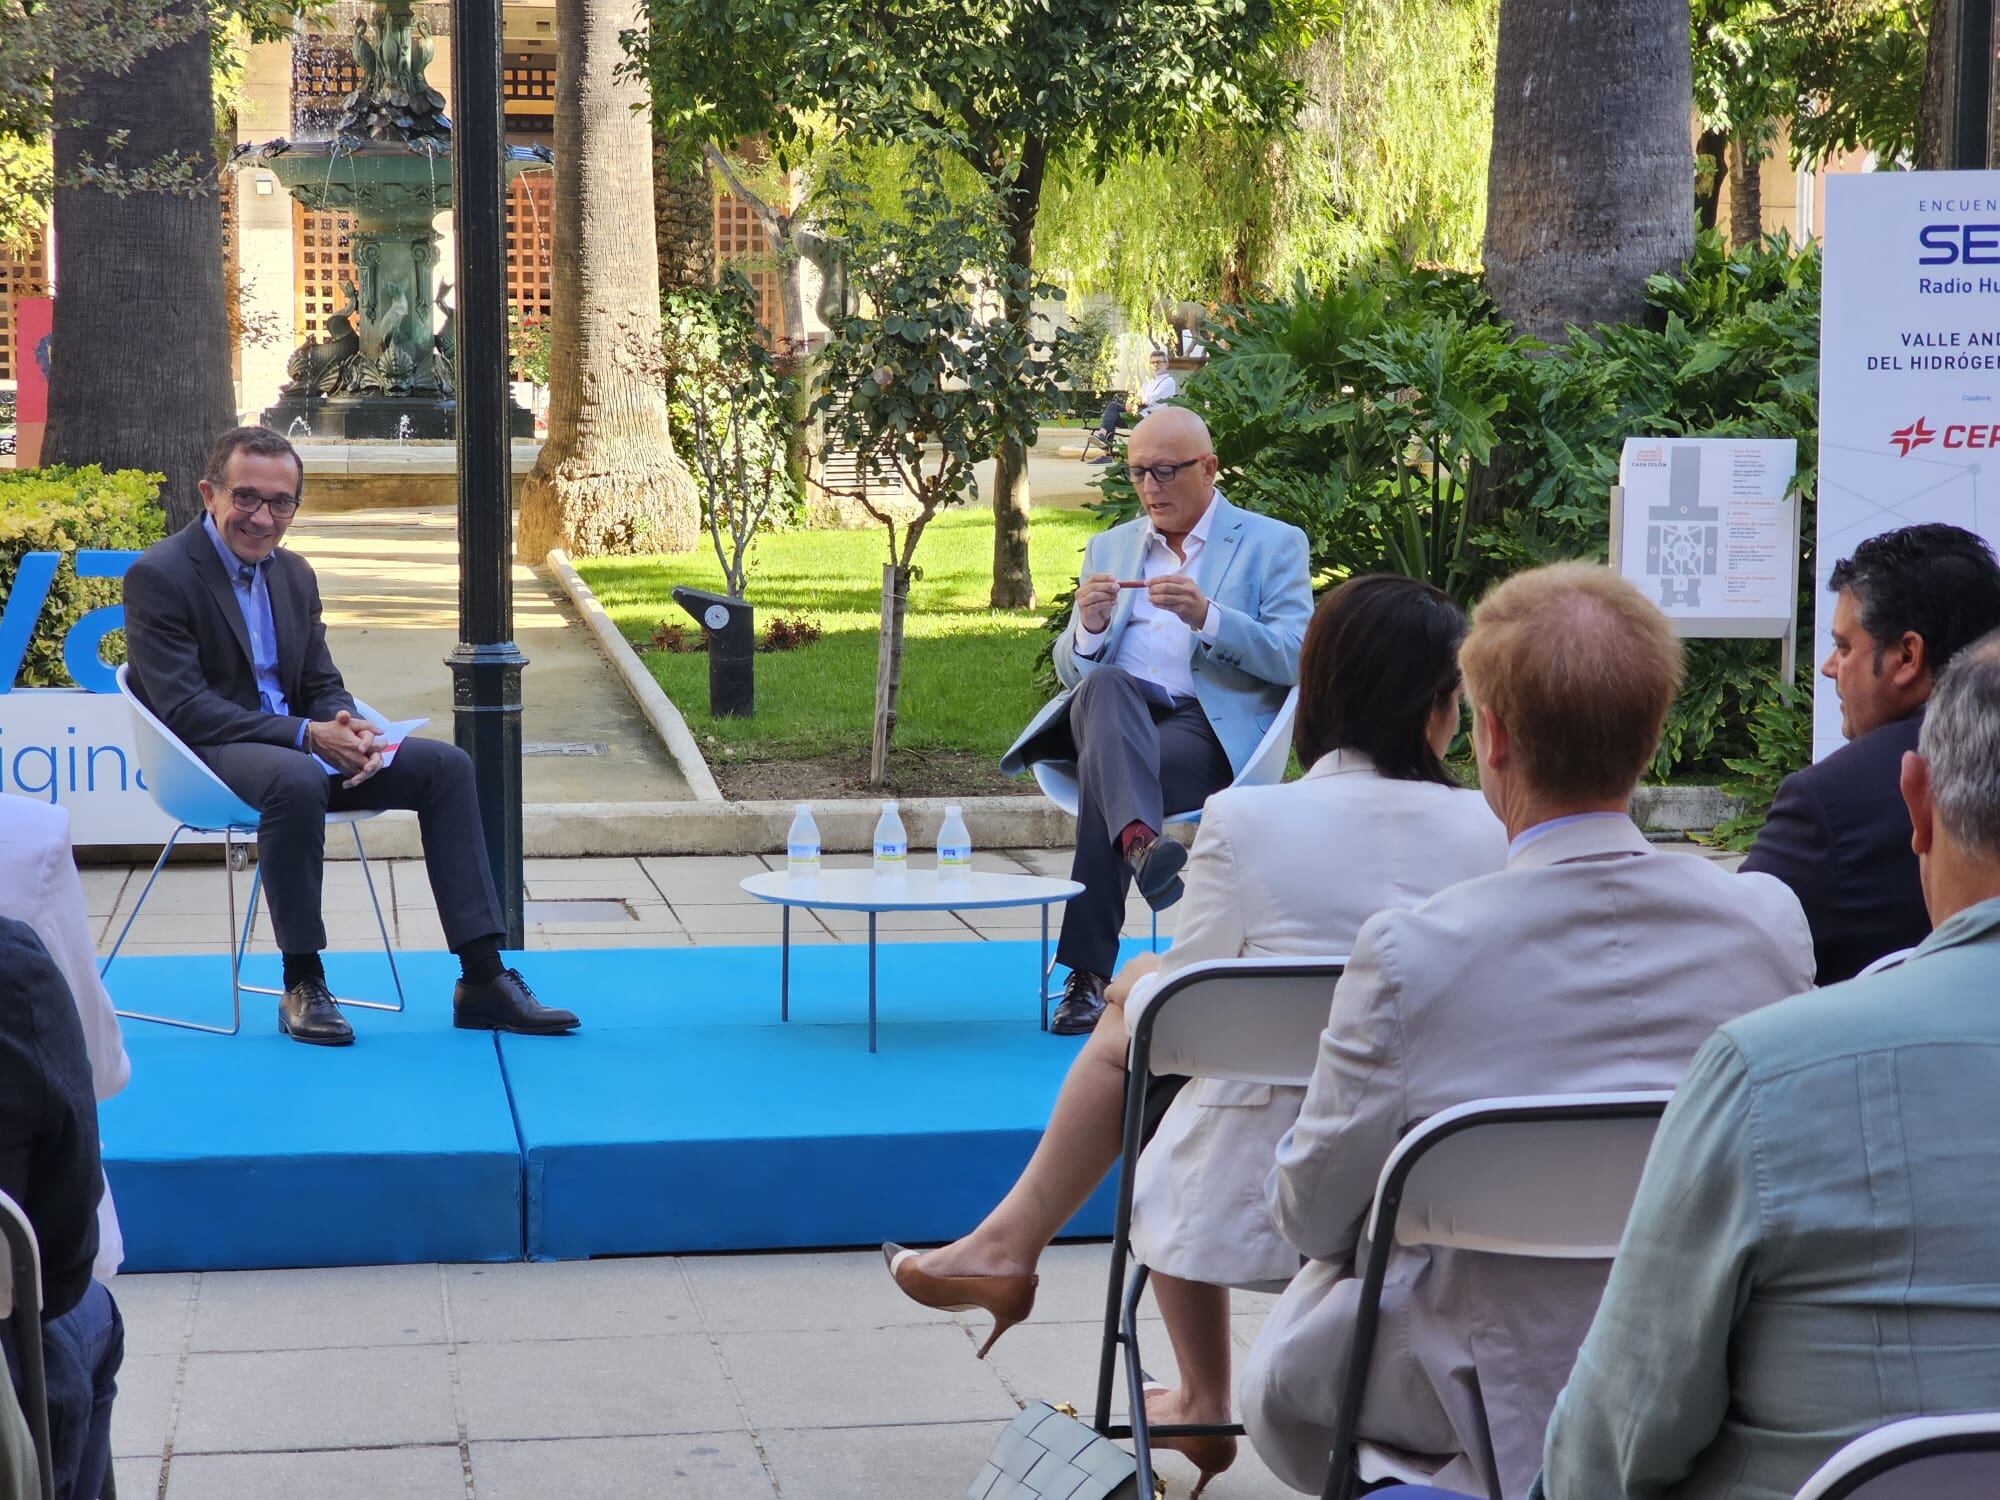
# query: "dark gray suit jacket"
189,649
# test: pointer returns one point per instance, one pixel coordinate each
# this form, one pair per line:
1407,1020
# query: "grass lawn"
968,671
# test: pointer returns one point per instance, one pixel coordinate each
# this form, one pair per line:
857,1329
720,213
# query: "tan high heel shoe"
1210,1454
1009,1298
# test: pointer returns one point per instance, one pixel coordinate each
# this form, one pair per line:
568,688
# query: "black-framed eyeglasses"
248,502
1163,473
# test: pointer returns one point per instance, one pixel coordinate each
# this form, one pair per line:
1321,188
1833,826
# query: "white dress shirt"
1157,643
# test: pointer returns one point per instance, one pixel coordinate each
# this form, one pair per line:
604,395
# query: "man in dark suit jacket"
226,647
1838,832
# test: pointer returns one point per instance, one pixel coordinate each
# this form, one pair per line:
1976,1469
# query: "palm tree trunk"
1591,185
1013,580
608,479
140,349
1746,192
684,215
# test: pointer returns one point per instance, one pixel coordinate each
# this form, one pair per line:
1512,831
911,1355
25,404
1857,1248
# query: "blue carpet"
682,1117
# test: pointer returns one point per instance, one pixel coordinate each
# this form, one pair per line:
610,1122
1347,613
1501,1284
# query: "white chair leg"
381,926
235,992
144,891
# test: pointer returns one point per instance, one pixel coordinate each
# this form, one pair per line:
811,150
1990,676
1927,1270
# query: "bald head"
1173,469
1171,427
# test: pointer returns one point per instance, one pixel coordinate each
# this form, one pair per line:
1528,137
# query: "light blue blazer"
1255,570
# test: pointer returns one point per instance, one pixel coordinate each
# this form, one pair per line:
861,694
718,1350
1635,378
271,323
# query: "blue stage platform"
682,1117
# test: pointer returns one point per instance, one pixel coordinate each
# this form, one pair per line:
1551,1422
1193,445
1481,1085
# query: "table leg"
871,981
785,966
1042,973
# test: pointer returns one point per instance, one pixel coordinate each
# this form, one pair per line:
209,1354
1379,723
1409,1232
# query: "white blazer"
1282,870
39,886
1592,962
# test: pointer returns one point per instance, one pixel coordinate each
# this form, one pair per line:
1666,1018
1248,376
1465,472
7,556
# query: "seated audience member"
1183,639
1811,1254
1838,833
39,886
49,1165
1160,386
1376,822
1591,962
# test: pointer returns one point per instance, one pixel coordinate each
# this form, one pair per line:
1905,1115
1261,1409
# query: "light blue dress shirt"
1815,1248
250,582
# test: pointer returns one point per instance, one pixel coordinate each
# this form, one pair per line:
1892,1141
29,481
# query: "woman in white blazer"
1377,822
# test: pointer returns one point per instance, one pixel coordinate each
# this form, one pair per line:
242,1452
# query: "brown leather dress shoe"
1082,1003
1156,865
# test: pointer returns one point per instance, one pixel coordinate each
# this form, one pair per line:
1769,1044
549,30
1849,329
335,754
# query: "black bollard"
730,625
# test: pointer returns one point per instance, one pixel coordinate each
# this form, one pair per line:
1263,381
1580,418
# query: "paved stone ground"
678,1377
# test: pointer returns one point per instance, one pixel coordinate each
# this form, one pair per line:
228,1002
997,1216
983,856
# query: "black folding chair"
1254,1020
21,1301
1550,1177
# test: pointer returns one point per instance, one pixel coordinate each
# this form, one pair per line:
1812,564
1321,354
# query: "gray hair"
1961,743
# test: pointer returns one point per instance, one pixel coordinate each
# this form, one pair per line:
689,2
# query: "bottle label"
957,856
802,854
891,853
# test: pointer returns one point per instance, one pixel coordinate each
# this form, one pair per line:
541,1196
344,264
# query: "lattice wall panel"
531,245
323,260
741,239
23,273
528,87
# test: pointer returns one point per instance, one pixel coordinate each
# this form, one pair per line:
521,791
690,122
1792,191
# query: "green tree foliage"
1388,149
923,381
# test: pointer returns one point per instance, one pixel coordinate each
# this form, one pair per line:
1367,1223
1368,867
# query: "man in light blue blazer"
1811,1254
1180,648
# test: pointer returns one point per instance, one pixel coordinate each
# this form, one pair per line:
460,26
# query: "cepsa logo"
1960,435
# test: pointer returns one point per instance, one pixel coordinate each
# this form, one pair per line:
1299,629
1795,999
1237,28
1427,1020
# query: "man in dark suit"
1838,832
226,647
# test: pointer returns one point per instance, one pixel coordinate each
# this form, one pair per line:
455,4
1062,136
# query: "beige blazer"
1282,870
39,886
1592,962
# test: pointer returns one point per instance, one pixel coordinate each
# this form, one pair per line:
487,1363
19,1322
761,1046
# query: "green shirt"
1815,1247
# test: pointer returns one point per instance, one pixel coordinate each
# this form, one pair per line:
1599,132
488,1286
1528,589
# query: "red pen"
1131,583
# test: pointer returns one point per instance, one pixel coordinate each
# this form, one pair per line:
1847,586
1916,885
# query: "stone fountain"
377,368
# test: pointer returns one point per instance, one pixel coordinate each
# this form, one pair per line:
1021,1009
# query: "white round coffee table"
915,890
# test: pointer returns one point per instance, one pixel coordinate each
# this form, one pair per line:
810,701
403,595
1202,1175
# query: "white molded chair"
21,1300
1253,1020
1266,767
1935,1458
198,801
1550,1177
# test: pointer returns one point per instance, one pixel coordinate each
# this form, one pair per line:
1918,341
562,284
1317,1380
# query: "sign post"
1709,529
1909,393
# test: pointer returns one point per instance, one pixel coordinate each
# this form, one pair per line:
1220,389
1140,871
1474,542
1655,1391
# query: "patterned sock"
1134,832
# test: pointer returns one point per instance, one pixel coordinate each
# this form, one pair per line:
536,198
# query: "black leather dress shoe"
1156,865
506,1004
1082,1003
307,1014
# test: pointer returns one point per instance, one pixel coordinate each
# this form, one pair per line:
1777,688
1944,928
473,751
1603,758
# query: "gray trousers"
1139,756
293,796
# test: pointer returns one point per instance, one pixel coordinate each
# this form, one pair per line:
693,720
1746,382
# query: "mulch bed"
912,773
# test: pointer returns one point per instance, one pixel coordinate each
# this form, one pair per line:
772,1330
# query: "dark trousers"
82,1351
294,795
1138,757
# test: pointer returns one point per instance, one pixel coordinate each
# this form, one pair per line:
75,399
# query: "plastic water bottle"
892,844
954,844
802,843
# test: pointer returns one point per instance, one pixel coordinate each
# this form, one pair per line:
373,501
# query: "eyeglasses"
248,501
1163,473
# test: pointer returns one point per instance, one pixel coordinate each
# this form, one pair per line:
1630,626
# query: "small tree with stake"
926,379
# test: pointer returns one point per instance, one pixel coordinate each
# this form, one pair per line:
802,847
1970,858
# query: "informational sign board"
1909,393
1709,529
33,317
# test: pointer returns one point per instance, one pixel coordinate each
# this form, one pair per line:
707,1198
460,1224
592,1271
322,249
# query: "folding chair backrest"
21,1300
1549,1176
1938,1458
1255,1020
1266,766
181,784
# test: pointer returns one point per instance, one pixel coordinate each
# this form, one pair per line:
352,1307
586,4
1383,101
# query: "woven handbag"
1047,1454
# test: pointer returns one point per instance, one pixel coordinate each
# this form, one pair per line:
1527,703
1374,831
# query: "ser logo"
83,653
1916,435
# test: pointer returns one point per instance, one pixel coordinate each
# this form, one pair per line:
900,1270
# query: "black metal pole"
1971,84
486,664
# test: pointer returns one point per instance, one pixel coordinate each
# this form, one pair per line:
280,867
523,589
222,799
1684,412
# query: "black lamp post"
1969,84
486,664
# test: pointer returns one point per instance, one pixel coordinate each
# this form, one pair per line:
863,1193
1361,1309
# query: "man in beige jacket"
1591,962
